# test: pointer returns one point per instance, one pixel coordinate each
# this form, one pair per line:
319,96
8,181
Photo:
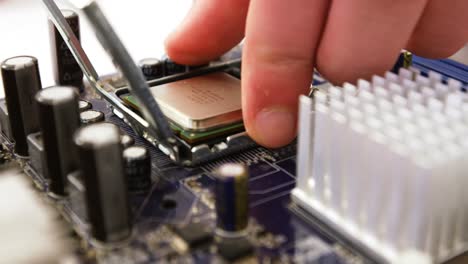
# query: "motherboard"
175,204
173,221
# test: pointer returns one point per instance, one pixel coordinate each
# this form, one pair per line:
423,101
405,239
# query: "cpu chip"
201,103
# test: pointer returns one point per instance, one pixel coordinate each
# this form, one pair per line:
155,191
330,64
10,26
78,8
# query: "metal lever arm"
123,61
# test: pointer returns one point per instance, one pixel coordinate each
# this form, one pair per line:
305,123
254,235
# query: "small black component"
126,140
233,249
405,60
21,82
58,114
84,105
152,68
66,70
171,67
4,120
36,154
91,116
195,234
101,164
137,168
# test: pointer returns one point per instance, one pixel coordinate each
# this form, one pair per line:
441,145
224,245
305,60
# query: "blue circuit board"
278,231
183,195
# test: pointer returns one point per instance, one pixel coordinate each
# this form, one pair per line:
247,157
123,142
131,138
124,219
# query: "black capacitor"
152,68
67,71
231,199
59,119
21,82
102,166
91,116
171,67
84,105
137,168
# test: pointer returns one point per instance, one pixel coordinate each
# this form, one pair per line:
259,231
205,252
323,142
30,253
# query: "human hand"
284,40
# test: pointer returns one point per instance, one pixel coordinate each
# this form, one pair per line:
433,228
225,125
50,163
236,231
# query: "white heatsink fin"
385,164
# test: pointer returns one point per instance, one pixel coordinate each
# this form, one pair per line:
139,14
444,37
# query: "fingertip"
278,58
178,50
441,31
422,48
364,37
210,29
273,127
338,70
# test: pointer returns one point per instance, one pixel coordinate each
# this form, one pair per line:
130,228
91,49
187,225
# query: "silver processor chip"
201,103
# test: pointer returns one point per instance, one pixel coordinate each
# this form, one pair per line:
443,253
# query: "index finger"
281,39
211,28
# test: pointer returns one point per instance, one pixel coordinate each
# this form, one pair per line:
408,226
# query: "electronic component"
404,190
137,163
404,61
195,235
21,81
233,249
91,116
66,70
201,103
126,140
37,158
5,120
59,119
101,164
232,204
152,68
195,137
84,105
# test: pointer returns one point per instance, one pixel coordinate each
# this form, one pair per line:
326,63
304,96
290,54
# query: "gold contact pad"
201,103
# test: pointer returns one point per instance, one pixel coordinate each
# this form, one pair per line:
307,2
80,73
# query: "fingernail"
275,127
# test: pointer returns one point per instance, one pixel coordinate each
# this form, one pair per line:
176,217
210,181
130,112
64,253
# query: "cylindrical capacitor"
152,68
67,71
102,166
91,116
231,196
21,82
59,120
137,168
84,105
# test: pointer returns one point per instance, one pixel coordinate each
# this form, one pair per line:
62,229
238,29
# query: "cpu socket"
198,104
203,111
199,109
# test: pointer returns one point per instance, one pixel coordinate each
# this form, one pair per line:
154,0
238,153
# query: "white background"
142,26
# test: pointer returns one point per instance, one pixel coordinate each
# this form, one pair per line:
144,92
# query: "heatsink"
384,163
